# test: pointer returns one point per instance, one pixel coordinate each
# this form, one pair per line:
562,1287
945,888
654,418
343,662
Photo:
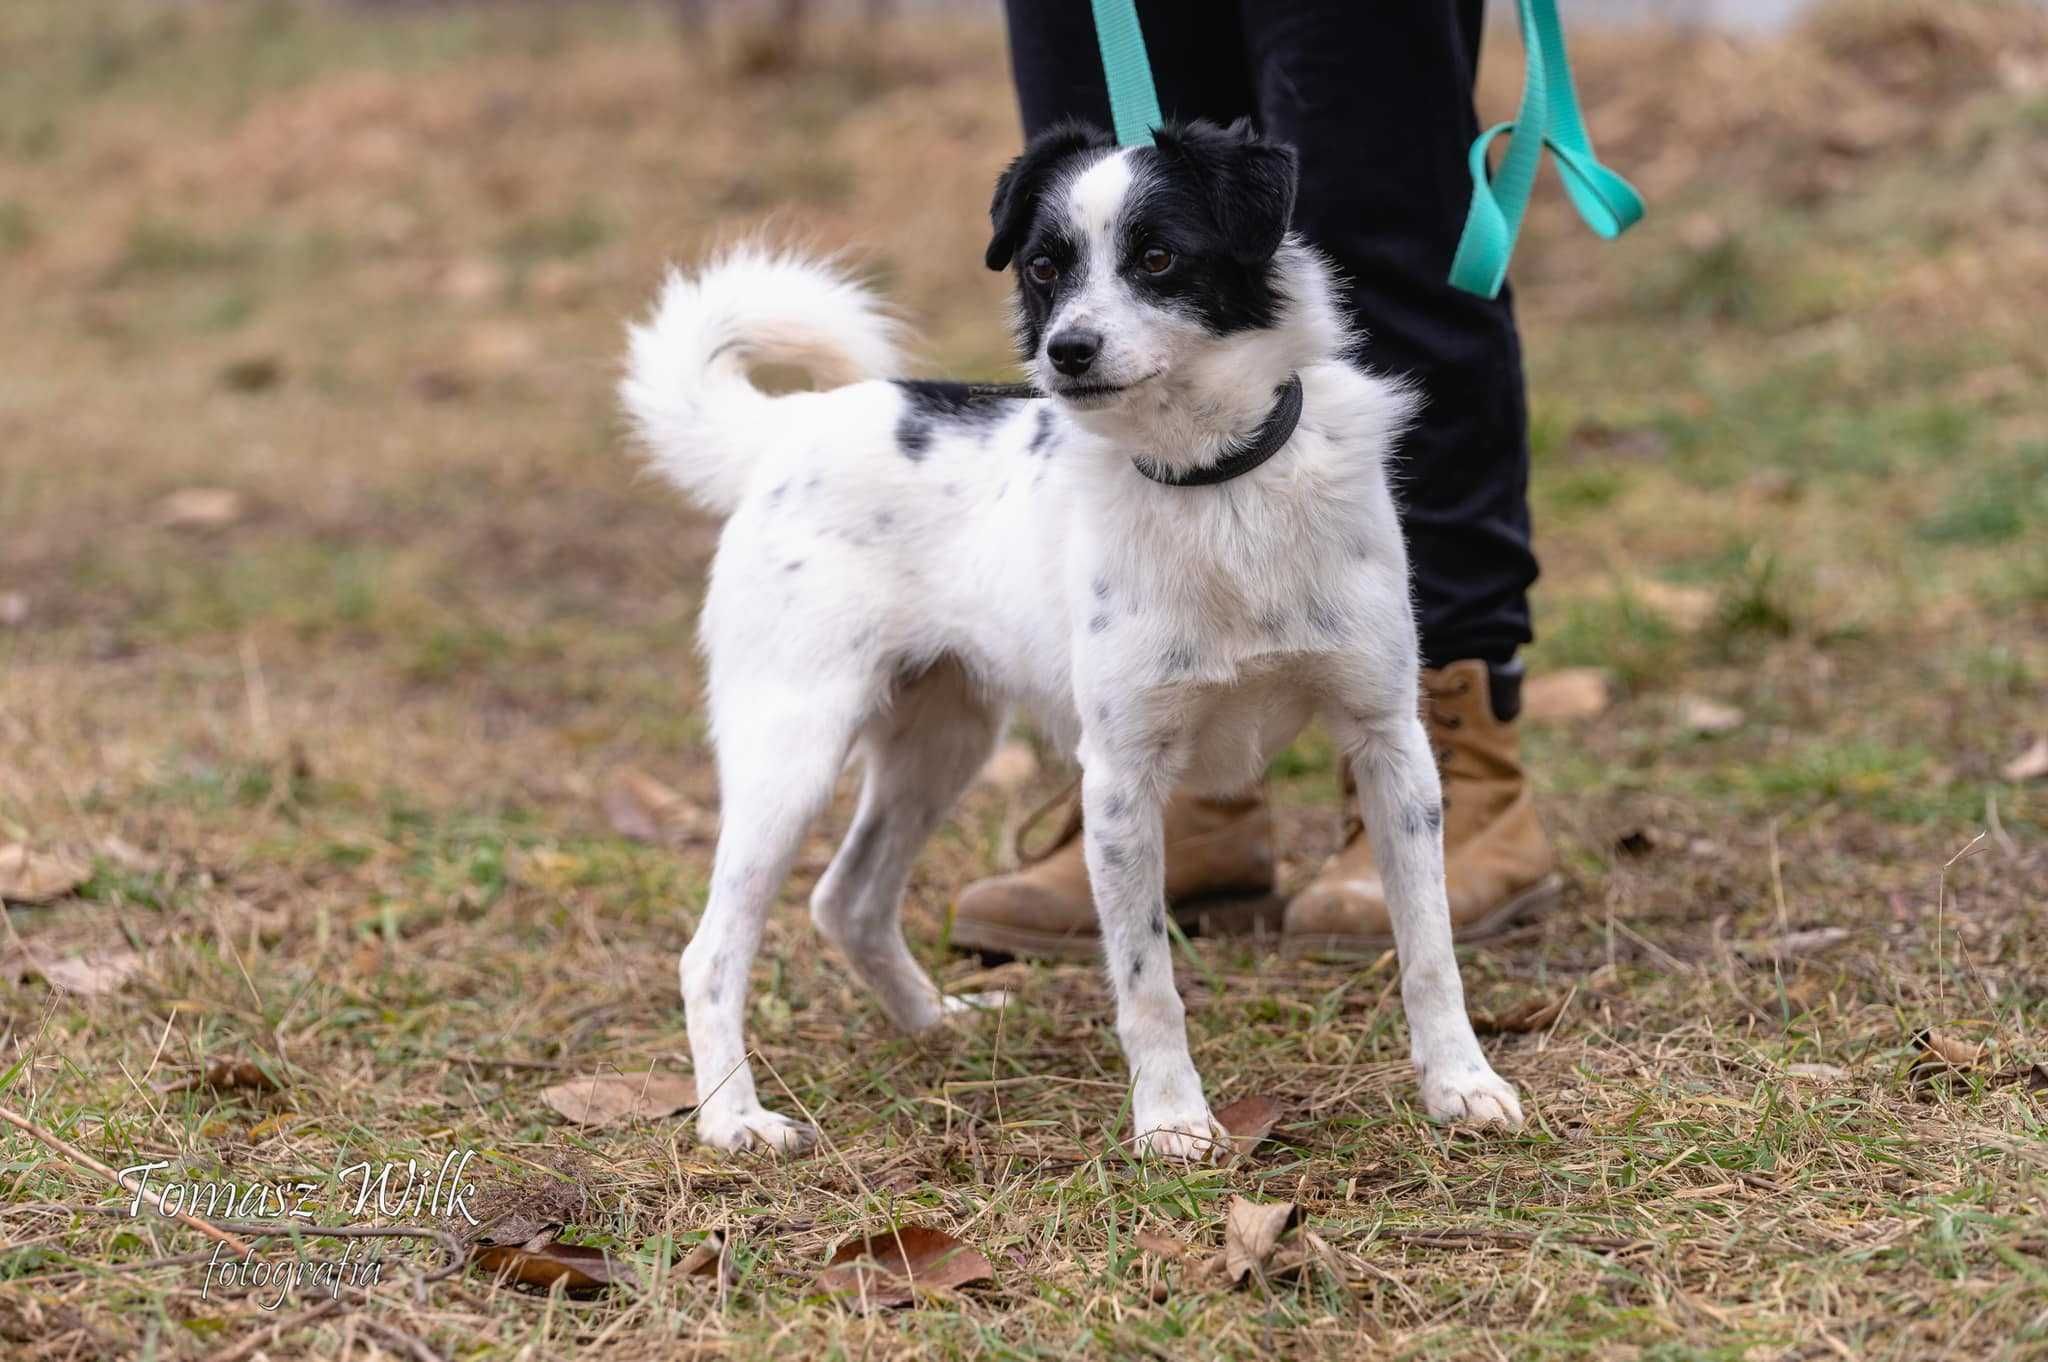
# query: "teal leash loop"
1549,111
1133,102
1608,204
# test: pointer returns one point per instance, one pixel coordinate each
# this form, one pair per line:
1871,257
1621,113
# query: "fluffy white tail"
686,387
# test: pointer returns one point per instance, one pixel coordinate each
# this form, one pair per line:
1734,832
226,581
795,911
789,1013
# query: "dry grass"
335,764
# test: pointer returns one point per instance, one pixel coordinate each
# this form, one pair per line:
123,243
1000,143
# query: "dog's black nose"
1072,352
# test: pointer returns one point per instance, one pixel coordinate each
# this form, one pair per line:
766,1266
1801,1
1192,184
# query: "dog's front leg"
1122,805
1400,798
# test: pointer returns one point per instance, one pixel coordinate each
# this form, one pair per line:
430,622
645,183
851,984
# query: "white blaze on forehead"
1097,194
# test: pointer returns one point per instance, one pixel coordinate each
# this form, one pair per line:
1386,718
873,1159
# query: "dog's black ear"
1018,188
1247,179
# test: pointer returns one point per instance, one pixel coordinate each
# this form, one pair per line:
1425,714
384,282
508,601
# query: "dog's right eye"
1042,270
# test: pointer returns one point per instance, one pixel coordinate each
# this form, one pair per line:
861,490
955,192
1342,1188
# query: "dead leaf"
37,876
608,1098
1160,1245
707,1258
1249,1120
200,508
1700,715
1309,1250
1566,695
1531,1014
473,280
2031,764
89,975
1792,945
642,808
1688,607
890,1268
582,1270
1251,1231
222,1074
1010,767
1948,1050
501,348
252,373
1818,1073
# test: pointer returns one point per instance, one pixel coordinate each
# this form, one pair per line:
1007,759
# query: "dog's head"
1131,263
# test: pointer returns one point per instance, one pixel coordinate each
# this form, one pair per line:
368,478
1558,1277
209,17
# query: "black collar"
1262,445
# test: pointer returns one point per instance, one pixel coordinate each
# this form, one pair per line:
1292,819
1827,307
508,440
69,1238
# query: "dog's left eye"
1156,260
1042,270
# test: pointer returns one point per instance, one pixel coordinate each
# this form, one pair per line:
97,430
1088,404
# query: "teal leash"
1550,106
1133,102
1608,204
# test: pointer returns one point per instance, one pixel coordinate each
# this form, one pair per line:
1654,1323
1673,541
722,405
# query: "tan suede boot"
1219,881
1498,865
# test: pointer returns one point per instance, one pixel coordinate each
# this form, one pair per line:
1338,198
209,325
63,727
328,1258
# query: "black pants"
1377,99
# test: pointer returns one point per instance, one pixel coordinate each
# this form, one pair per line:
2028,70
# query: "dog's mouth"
1085,394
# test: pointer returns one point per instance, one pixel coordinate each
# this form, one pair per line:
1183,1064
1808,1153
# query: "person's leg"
1378,102
1196,51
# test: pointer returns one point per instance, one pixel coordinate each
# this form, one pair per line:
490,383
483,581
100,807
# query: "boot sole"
1536,899
1206,916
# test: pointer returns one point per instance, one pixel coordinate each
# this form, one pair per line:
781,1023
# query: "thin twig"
74,1155
277,1329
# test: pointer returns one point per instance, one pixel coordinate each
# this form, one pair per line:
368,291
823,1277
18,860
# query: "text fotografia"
354,1269
410,1189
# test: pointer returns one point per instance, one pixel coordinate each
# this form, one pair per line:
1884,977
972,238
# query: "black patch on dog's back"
931,403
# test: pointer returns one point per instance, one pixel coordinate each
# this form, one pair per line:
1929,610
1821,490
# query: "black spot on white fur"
1041,434
929,405
1098,623
1423,820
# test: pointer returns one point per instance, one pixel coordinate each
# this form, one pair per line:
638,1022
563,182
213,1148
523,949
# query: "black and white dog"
1172,561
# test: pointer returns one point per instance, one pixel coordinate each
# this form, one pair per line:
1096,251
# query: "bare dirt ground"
332,606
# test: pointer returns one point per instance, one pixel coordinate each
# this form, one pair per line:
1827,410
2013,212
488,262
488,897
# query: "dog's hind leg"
921,750
779,755
1400,797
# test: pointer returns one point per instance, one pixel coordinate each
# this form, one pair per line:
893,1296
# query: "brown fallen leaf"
1531,1014
1566,695
252,373
1249,1120
2031,764
890,1268
1704,716
222,1073
642,808
1948,1049
1251,1231
1308,1250
607,1098
706,1258
31,877
200,508
1690,608
1818,1073
89,975
582,1270
1160,1245
1812,941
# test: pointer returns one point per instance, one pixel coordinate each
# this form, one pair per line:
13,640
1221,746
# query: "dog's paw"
1471,1095
1193,1138
754,1128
